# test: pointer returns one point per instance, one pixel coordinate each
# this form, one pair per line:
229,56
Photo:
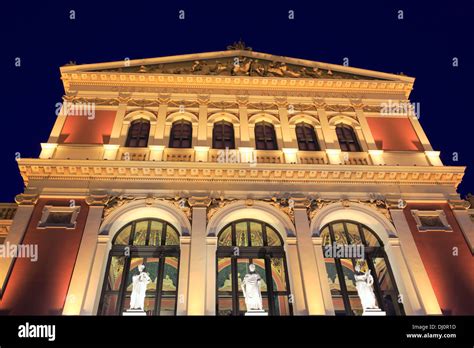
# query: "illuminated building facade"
198,165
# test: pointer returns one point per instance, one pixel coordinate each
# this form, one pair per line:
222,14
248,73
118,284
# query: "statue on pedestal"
251,289
364,282
140,282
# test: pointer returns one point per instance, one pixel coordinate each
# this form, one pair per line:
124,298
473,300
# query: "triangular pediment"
236,62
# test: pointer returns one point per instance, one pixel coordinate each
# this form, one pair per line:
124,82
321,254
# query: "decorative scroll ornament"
285,205
378,205
239,45
118,201
217,204
27,198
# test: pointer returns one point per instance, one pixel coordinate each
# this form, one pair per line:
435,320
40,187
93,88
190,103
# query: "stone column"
330,142
59,123
365,129
420,132
184,246
201,148
96,278
244,123
329,135
15,237
466,225
202,122
294,267
116,135
376,155
409,297
198,257
417,271
323,277
159,136
285,126
85,257
309,267
211,250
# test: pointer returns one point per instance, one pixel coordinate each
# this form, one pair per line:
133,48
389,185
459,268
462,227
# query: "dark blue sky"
369,33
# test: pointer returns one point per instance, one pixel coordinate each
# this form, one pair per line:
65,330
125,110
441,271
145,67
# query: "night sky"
369,33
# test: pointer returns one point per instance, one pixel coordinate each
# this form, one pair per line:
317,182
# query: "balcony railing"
266,156
355,158
244,155
7,211
312,157
178,155
133,153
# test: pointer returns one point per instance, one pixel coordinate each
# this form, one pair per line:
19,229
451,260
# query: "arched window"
138,133
223,135
155,244
347,138
181,134
306,137
265,138
241,243
344,242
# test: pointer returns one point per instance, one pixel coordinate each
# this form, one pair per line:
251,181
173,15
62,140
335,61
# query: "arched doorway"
341,268
155,244
241,243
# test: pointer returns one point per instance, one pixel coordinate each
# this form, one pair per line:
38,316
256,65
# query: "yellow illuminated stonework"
271,148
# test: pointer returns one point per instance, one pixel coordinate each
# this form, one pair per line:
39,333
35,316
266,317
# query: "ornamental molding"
231,92
221,105
52,169
379,205
116,201
217,204
161,84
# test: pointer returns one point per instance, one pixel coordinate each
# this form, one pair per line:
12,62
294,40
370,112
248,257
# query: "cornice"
73,80
50,169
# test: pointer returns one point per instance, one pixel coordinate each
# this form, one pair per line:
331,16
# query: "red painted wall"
40,288
452,277
394,134
88,130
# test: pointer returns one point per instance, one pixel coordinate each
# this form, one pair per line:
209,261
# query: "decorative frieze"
42,169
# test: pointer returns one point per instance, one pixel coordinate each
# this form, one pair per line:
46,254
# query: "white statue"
364,282
140,282
251,290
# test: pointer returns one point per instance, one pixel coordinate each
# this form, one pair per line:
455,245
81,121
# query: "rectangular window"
59,216
431,220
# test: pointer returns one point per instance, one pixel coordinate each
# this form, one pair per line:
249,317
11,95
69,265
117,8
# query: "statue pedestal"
373,312
256,313
134,312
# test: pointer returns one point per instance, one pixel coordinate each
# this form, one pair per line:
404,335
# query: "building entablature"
41,169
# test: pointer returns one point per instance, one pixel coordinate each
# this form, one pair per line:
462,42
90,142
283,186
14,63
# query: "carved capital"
203,100
357,104
459,204
163,98
299,202
242,100
319,103
199,201
281,102
97,198
27,198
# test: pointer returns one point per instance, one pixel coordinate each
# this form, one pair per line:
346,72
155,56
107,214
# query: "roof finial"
240,45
